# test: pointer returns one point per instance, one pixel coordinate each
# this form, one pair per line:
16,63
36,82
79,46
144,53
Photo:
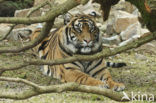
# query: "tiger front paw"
113,85
118,87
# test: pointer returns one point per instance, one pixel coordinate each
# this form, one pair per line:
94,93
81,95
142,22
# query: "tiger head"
81,35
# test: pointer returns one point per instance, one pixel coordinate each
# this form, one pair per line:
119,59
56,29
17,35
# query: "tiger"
79,35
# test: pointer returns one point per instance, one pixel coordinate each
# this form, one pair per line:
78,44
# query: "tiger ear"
67,18
93,14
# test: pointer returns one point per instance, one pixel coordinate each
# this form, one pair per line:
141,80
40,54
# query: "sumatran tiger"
79,35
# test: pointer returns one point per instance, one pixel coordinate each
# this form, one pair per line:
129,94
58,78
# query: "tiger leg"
81,78
103,79
106,77
74,75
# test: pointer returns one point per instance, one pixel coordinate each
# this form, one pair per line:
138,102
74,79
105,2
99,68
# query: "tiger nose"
87,40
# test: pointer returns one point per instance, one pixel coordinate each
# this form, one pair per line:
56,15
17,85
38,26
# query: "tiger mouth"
86,46
86,50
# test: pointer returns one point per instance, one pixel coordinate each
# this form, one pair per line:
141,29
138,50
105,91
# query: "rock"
102,27
81,9
140,57
148,47
21,33
134,29
111,40
86,9
128,7
144,30
124,6
129,40
132,33
37,2
136,13
110,29
59,21
24,12
123,20
4,28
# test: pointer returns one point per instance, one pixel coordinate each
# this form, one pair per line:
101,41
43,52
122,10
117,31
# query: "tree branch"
45,31
3,69
56,11
20,81
60,88
7,34
104,53
37,8
28,15
49,16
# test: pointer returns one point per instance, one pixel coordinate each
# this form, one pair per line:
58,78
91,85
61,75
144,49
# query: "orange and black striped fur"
79,35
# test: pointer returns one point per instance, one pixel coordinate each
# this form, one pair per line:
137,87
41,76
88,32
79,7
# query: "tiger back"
79,35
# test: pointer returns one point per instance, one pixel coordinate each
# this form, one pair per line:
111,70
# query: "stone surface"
121,17
22,33
17,34
144,30
123,20
148,47
24,12
136,13
4,28
37,2
128,41
134,29
59,21
111,40
110,29
124,6
132,33
81,9
140,57
86,9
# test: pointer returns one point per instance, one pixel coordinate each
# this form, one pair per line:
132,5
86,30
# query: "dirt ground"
139,76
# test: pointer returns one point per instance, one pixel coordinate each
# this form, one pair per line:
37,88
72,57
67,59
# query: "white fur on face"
86,50
87,44
98,44
72,45
69,47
